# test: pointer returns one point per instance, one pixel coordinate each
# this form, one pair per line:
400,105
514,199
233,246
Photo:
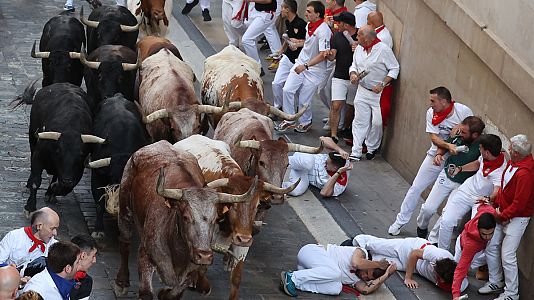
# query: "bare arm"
358,261
329,144
328,189
415,255
367,288
436,140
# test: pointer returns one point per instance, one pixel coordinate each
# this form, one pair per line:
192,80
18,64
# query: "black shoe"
264,47
422,233
189,6
370,155
206,15
263,40
262,73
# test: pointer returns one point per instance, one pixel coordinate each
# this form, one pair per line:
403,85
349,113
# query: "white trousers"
324,88
306,88
503,249
261,22
317,272
234,29
442,188
457,206
204,4
284,66
300,164
427,174
367,124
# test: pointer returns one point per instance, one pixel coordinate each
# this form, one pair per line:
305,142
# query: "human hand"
383,264
391,269
378,88
354,78
24,280
353,46
344,154
300,68
452,149
346,168
484,200
438,159
411,283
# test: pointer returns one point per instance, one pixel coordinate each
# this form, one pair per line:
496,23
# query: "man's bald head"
366,35
375,19
9,282
44,215
45,223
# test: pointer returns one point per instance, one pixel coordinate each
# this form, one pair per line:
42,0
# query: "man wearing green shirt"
467,151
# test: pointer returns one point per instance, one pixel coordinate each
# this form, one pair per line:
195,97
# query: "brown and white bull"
167,98
153,15
250,137
175,224
237,221
150,45
233,70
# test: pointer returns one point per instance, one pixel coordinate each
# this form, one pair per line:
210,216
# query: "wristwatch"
306,66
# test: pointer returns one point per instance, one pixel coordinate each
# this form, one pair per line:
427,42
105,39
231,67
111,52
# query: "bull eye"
262,163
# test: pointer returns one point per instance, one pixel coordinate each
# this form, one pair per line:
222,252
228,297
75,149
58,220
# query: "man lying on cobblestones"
22,246
325,269
327,172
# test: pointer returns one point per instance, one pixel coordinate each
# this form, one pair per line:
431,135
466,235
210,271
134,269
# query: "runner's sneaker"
326,125
206,15
370,155
287,284
395,228
284,125
69,8
325,120
274,65
303,128
491,288
507,297
188,7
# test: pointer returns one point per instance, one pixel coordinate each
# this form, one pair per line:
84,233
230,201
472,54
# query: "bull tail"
111,196
27,95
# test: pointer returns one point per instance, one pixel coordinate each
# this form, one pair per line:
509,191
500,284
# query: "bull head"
94,24
177,194
46,54
96,64
100,163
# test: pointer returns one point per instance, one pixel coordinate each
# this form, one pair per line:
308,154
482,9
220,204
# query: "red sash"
490,166
438,117
242,14
36,242
376,41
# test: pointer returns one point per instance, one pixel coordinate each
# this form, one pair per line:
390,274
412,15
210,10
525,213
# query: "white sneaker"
395,228
326,125
507,297
325,120
491,288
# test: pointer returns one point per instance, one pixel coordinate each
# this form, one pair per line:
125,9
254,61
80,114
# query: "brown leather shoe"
482,273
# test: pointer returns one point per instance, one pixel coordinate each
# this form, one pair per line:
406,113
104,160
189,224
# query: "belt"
371,90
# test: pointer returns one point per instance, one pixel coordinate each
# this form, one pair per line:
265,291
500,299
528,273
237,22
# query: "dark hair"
445,269
336,159
62,254
340,2
30,295
491,142
318,7
378,273
292,5
475,124
486,221
85,242
37,216
442,92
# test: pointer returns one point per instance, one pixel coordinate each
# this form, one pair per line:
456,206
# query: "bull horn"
39,54
49,135
277,112
248,144
92,24
128,28
246,197
235,105
132,67
222,182
209,109
74,55
167,193
90,64
158,114
92,139
100,163
277,190
305,149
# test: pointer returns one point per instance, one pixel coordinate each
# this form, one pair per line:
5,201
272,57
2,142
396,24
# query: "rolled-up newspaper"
349,38
287,40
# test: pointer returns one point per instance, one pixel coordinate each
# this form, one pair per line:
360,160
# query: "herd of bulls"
184,199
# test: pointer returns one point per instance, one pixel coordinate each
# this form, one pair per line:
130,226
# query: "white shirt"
318,176
385,36
319,41
343,256
509,173
380,62
361,11
431,254
15,245
443,129
480,186
43,284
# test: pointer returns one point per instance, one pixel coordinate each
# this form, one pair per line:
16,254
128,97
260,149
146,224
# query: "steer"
168,100
175,225
151,45
59,49
231,69
119,121
110,25
109,70
249,135
60,123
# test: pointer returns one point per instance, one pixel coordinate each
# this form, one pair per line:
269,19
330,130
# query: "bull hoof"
119,291
98,235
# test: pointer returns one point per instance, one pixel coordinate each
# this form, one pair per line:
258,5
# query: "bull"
151,45
168,100
231,69
59,50
110,25
175,225
110,69
250,137
119,121
60,123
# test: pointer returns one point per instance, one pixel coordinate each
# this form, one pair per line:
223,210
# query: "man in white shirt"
23,245
362,10
9,282
56,281
443,115
376,20
373,67
309,69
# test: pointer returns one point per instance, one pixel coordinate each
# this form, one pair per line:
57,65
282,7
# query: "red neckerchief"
490,166
447,287
349,290
242,14
312,26
341,179
438,117
380,28
80,275
36,242
376,41
525,162
336,12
